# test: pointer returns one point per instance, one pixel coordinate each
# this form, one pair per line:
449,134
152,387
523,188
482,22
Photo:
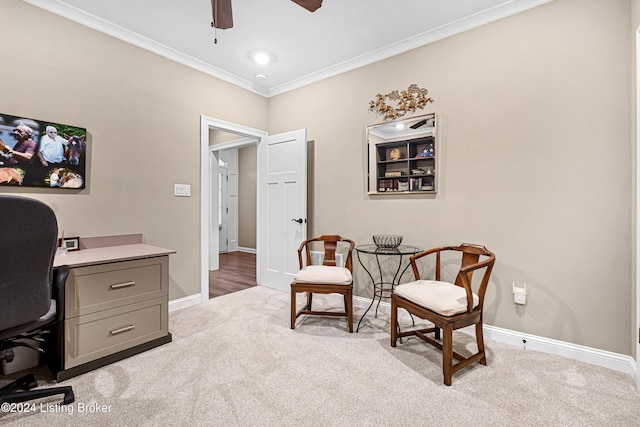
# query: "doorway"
209,175
281,198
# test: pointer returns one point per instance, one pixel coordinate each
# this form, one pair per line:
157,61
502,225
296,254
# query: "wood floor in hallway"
237,272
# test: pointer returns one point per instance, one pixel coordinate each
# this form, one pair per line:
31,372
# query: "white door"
232,199
223,209
282,206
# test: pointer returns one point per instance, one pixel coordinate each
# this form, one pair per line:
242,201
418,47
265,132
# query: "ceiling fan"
223,17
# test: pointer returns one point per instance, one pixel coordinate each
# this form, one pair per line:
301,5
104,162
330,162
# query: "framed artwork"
40,153
69,243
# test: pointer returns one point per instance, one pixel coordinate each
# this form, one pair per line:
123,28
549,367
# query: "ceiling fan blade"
418,124
310,5
222,15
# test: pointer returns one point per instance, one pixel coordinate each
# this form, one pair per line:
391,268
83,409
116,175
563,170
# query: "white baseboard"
593,356
188,301
248,250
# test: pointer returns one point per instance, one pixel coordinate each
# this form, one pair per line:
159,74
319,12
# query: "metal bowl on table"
387,241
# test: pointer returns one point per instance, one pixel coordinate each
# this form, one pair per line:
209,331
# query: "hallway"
237,272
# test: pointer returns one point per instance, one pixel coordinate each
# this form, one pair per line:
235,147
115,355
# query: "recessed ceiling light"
261,57
261,76
399,125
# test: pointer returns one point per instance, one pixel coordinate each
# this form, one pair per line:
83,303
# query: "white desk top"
109,254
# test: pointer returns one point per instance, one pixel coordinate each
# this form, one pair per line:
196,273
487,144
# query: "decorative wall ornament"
407,102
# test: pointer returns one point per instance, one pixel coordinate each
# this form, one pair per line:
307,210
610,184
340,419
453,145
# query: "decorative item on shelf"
395,154
387,241
429,170
415,184
407,102
385,185
69,243
427,151
392,174
418,172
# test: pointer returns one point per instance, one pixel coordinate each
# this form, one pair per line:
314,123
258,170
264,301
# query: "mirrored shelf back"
402,157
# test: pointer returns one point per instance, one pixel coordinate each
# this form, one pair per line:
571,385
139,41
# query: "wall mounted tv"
38,153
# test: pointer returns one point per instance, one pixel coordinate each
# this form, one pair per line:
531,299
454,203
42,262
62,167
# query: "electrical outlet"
519,294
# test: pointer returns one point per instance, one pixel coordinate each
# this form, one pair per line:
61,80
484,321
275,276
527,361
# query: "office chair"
448,305
324,279
30,289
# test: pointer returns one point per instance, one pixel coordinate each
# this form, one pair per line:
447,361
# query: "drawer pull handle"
122,285
122,330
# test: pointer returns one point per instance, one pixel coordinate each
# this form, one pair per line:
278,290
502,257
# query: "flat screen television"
39,153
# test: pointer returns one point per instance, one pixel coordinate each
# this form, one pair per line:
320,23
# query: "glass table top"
400,250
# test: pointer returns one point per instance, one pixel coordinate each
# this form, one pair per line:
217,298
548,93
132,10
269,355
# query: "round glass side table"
383,288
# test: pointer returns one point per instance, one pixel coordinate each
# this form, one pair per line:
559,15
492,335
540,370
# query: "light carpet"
235,361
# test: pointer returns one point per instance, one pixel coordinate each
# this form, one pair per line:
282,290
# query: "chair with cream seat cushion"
448,305
327,278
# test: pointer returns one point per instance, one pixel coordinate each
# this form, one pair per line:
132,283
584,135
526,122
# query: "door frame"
249,136
635,207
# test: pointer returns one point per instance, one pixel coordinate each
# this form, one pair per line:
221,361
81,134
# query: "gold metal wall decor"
407,102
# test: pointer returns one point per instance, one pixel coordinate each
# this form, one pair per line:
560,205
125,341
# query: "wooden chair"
324,279
448,306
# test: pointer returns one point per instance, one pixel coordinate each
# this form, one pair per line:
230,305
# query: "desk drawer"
97,335
101,287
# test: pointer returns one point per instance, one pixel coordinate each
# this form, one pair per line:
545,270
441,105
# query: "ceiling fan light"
222,14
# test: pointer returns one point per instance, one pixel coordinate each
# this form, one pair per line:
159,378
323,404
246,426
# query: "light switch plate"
181,190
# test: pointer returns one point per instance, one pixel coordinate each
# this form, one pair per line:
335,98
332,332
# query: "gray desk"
115,306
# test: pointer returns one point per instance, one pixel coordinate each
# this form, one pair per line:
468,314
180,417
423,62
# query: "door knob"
299,220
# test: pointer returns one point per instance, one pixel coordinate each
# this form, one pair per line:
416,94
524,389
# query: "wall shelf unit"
402,157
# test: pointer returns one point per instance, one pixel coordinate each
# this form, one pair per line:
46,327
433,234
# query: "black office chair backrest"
28,241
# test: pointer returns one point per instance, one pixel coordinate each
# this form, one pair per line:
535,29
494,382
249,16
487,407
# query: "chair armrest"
60,275
300,249
349,260
481,264
465,278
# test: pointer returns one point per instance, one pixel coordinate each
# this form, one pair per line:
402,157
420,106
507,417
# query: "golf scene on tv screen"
38,153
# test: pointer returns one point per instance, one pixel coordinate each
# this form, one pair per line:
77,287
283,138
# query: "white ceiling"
340,36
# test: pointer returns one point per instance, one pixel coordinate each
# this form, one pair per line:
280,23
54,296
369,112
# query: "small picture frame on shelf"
69,243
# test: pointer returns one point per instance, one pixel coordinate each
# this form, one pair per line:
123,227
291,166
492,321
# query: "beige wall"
247,196
535,162
535,151
143,116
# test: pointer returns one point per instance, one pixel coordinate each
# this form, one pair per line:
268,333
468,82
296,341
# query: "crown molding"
94,22
508,8
486,16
